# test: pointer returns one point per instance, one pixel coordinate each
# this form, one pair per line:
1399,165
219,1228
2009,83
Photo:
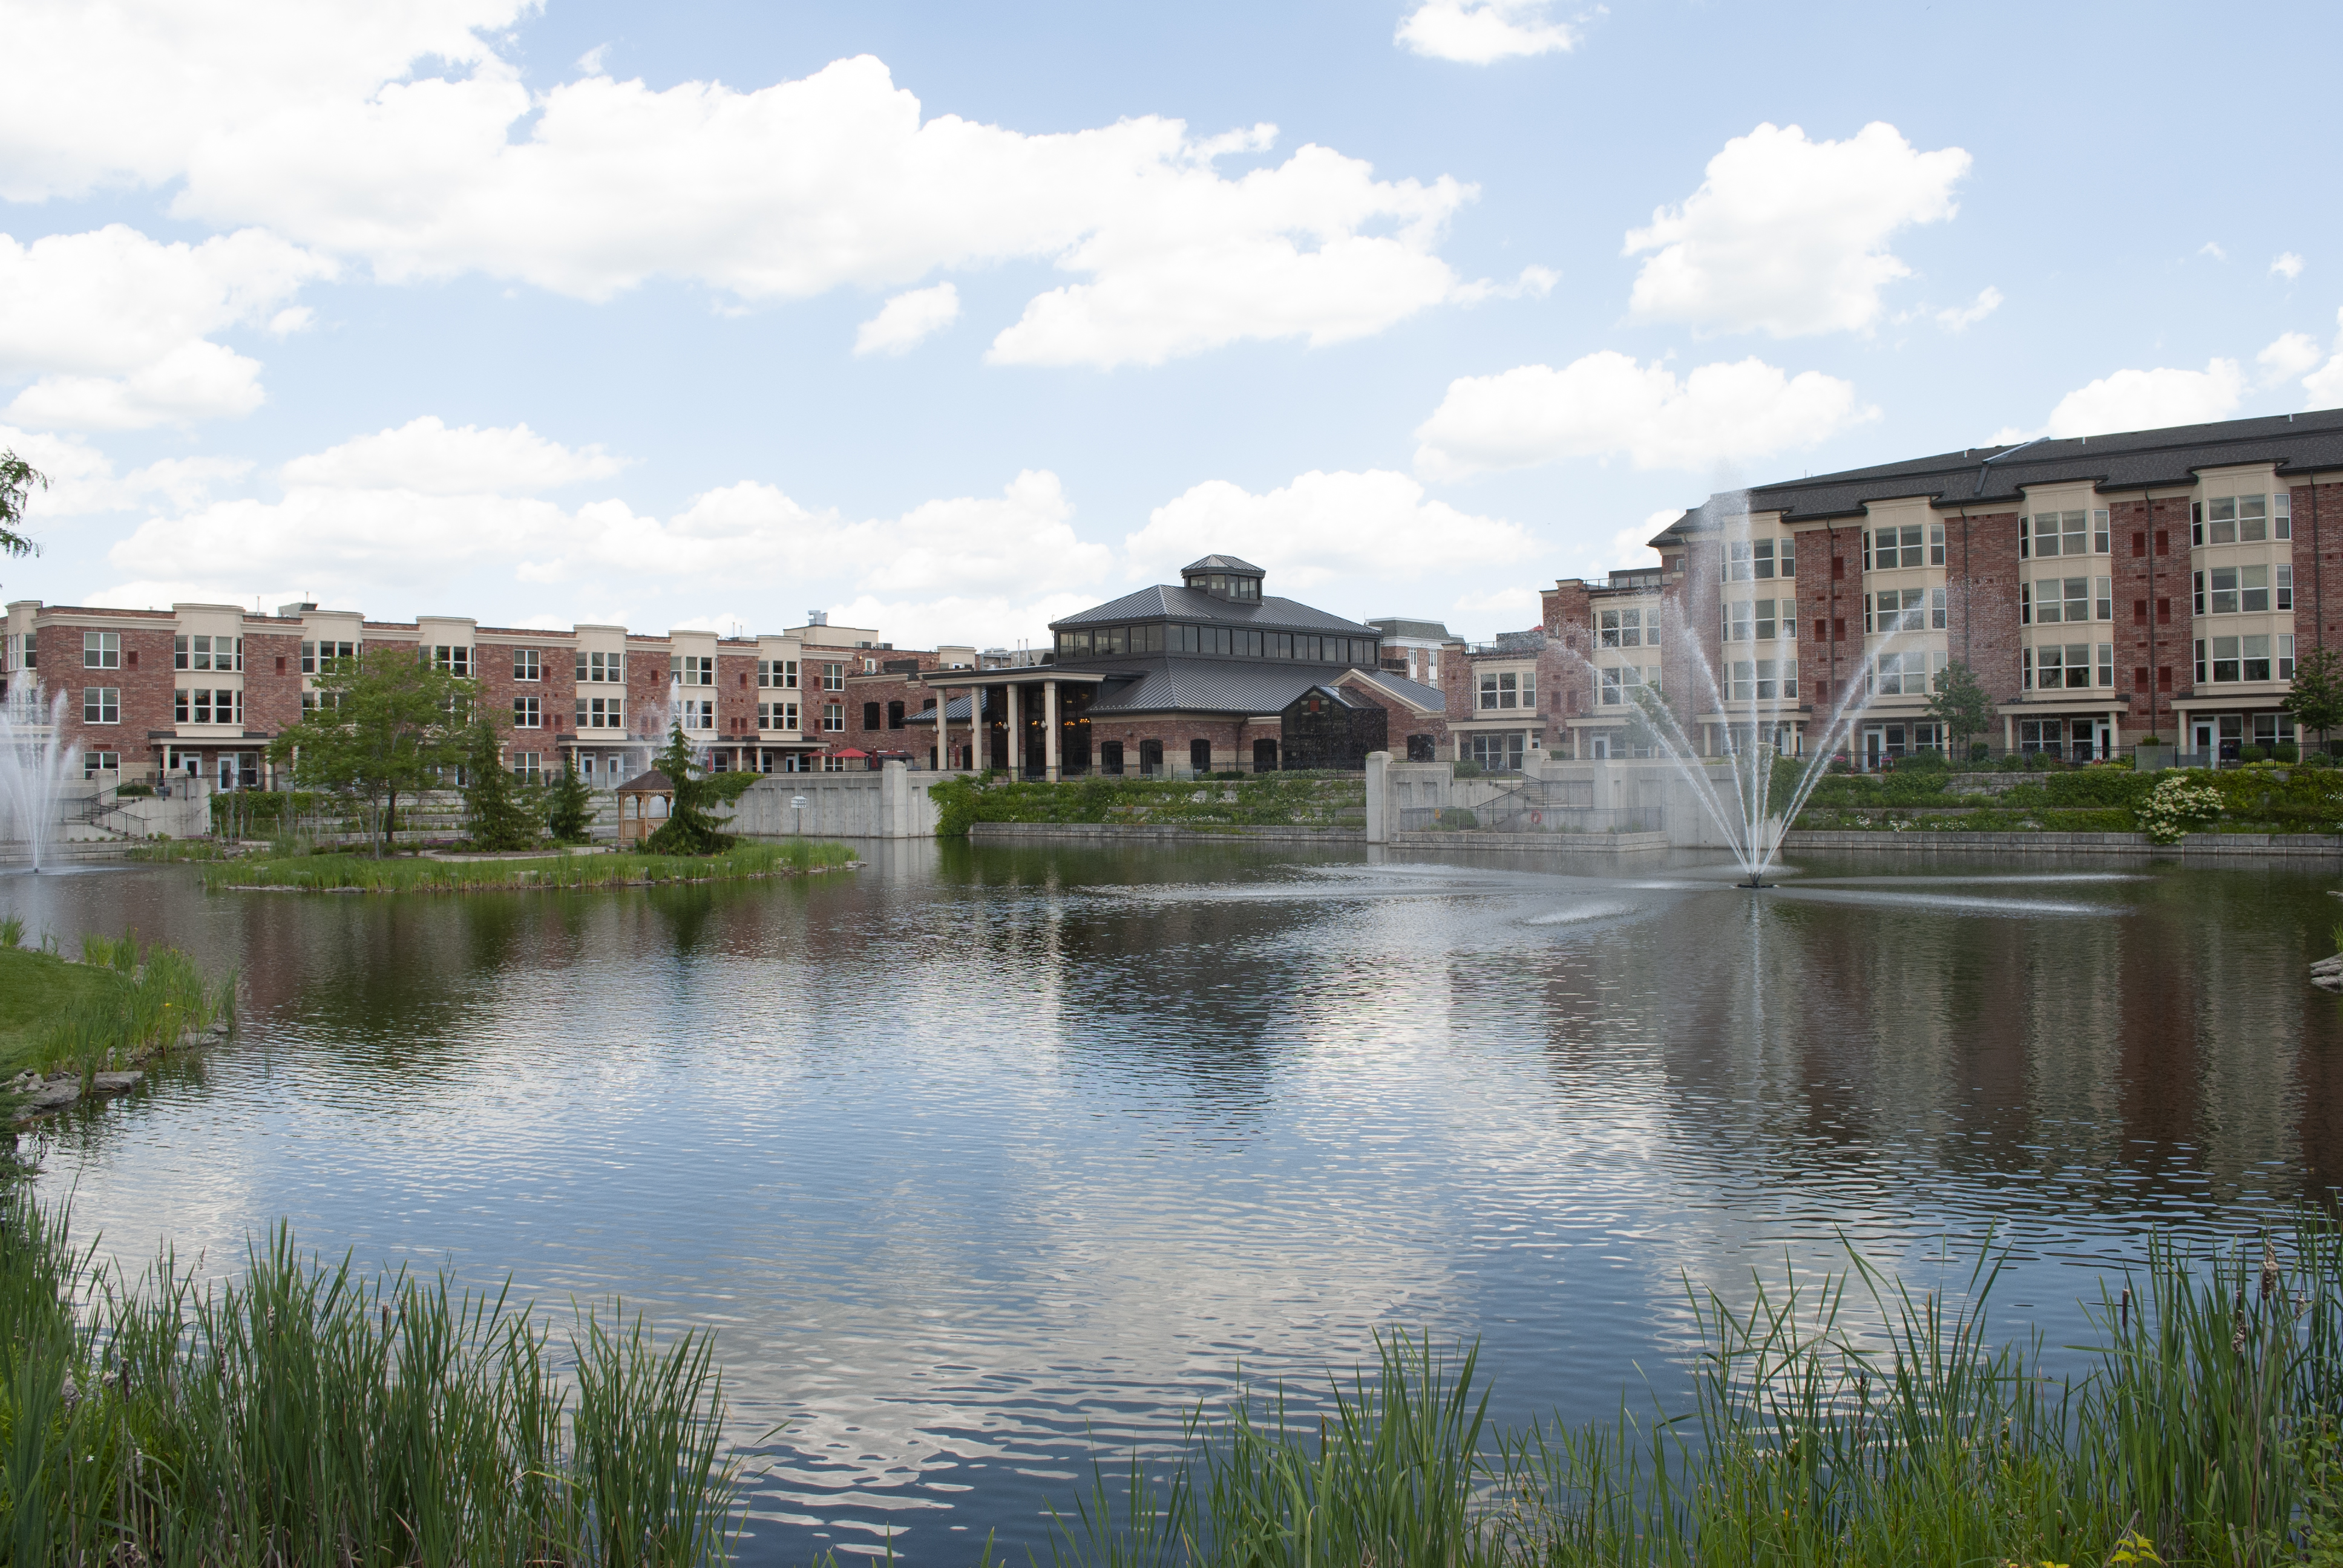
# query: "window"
601,712
1509,690
2253,589
694,669
1912,544
101,650
454,657
101,705
696,713
2282,516
894,715
27,651
2286,655
319,657
833,715
778,673
1763,681
777,716
2237,520
2285,587
1904,673
833,678
2075,533
1896,610
1107,640
93,763
602,668
2254,657
206,705
207,652
2055,666
1624,628
528,713
2048,601
870,716
1617,682
527,664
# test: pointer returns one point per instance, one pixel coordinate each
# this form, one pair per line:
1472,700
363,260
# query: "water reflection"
975,1157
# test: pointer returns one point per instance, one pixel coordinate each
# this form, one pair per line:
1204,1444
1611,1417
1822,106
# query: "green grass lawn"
36,988
415,874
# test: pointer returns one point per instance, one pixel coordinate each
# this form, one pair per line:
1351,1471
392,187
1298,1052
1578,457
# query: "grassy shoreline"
308,1413
117,1010
417,874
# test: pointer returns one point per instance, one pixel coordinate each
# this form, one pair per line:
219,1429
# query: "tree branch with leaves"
18,480
387,723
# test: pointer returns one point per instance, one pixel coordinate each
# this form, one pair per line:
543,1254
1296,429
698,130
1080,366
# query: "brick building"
204,689
1207,675
2102,589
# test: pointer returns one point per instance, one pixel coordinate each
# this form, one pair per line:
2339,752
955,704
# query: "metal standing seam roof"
1222,564
1399,626
1174,684
1164,602
1996,477
1429,698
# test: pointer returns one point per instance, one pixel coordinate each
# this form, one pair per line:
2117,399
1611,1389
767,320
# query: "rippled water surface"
984,1161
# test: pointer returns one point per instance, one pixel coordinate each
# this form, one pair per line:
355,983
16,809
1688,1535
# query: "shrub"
1467,768
2287,751
2319,759
2251,754
1979,751
1923,762
134,791
2177,804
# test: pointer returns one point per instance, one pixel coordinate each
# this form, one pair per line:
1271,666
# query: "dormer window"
1223,577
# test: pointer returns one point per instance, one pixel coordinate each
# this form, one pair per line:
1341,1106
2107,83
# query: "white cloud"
1320,527
426,456
594,185
115,327
82,479
1790,236
2289,355
1961,319
131,91
1606,404
1512,608
2326,385
2150,399
2213,250
904,320
1478,32
2286,265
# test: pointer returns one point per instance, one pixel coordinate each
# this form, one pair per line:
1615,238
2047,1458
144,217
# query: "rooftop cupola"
1224,576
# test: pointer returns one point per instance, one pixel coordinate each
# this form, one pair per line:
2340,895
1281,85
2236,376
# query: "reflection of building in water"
2158,1045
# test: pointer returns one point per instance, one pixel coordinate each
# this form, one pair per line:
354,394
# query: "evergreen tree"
498,812
690,826
569,805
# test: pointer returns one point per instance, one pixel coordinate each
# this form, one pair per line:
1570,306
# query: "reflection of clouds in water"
1948,903
1595,911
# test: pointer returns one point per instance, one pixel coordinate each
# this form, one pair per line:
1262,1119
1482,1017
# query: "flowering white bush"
2176,805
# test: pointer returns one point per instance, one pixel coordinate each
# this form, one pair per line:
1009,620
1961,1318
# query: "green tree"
690,826
500,812
18,480
386,724
1961,705
569,805
2317,699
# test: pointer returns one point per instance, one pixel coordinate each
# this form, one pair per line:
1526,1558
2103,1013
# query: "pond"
984,1163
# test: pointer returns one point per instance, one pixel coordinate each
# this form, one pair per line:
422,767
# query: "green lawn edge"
417,874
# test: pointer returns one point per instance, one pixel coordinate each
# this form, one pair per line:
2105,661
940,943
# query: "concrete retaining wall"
1141,832
889,804
1541,843
2196,846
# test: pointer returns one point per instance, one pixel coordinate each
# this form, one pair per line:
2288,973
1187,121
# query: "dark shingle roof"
1164,602
1993,475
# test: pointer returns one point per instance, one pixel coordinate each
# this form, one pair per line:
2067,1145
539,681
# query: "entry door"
1602,747
1874,745
2201,735
1265,756
1199,756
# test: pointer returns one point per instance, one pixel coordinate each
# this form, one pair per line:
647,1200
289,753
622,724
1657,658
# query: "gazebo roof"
652,782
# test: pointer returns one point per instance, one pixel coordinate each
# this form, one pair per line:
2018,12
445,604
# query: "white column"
1050,729
1016,737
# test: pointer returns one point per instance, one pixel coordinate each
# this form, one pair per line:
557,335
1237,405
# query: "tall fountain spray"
34,764
1742,804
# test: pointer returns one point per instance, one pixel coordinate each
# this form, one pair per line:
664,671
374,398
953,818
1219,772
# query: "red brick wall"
1830,616
272,697
1981,578
2165,604
2317,567
144,681
1565,610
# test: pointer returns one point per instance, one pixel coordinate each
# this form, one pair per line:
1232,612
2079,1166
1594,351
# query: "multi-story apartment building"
2102,589
204,689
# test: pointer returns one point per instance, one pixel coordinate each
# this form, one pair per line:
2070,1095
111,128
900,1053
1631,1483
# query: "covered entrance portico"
1035,719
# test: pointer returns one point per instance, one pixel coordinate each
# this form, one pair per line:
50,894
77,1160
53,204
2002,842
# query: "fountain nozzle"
1752,882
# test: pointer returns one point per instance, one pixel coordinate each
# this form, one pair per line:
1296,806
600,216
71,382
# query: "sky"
949,319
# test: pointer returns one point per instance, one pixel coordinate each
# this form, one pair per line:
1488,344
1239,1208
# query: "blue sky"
948,319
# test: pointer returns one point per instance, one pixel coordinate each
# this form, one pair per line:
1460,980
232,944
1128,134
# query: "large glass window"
1509,688
207,652
1760,560
2240,521
1621,627
602,713
1911,545
2066,532
777,716
101,650
602,668
1896,610
454,657
528,664
833,678
319,658
101,705
529,713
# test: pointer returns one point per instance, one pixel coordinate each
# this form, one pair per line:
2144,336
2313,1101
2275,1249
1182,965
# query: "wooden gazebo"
637,821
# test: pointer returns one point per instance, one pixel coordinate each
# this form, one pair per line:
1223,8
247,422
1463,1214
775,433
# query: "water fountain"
36,762
1752,828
